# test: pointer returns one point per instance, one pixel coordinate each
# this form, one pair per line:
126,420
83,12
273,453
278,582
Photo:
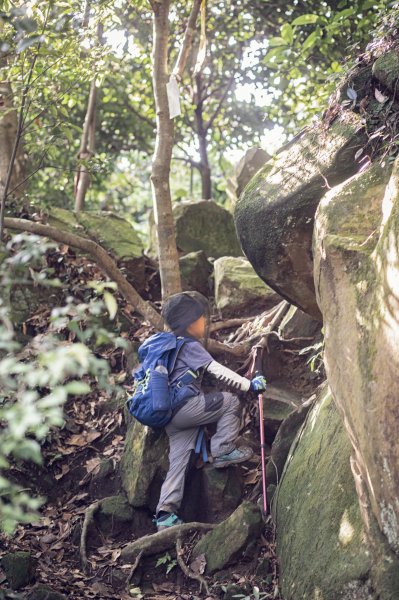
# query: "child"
187,314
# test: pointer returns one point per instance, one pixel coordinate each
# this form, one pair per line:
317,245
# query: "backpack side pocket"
160,388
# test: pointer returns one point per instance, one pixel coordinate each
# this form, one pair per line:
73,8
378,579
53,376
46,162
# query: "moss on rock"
107,229
195,270
144,464
238,287
321,542
226,543
275,213
207,226
19,568
386,70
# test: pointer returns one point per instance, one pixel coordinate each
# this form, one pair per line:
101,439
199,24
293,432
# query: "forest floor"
95,429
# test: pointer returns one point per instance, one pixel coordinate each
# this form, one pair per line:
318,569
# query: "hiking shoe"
166,521
234,457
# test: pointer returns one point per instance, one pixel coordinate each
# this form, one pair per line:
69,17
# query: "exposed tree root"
133,569
186,570
161,541
89,516
228,323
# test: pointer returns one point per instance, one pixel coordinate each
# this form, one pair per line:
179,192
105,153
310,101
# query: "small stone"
115,515
238,287
263,568
116,507
226,543
195,270
42,592
19,568
235,591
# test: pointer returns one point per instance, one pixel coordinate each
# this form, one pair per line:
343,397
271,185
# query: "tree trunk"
87,148
8,133
204,168
167,250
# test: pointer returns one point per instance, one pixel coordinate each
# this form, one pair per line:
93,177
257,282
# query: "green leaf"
305,20
287,33
111,304
310,40
77,388
276,41
28,41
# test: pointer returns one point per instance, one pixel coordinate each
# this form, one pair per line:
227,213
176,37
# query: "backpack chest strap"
188,377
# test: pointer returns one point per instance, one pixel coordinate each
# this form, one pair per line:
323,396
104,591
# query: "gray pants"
220,407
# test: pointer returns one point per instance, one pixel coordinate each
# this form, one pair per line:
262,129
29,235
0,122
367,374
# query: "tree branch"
187,571
187,40
100,256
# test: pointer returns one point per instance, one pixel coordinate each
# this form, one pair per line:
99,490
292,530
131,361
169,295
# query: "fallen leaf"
164,587
379,96
86,437
198,565
351,93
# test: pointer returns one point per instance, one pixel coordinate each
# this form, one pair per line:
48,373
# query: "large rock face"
321,543
357,274
275,213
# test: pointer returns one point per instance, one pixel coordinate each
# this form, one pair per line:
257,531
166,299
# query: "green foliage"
307,55
316,358
266,65
169,562
35,383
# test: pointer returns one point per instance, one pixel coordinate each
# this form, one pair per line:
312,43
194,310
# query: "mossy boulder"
238,287
357,268
195,270
226,543
323,547
19,568
207,226
321,542
144,464
275,213
114,234
386,70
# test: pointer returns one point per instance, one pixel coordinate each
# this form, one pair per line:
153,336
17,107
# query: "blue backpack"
154,398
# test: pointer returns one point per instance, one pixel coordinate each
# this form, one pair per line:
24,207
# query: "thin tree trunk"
87,149
166,239
167,249
8,134
204,168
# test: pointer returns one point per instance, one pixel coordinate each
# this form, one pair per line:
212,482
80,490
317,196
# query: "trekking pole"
258,371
